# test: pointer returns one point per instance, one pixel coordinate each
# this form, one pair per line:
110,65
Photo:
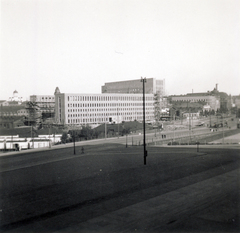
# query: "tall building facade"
82,109
152,86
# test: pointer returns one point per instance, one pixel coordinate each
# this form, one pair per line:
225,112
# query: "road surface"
108,189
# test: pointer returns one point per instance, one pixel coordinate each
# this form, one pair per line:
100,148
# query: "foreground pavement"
185,209
108,189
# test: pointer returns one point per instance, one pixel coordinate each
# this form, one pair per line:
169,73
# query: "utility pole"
74,141
105,130
174,127
49,135
210,121
118,121
222,129
189,123
126,141
32,136
143,80
174,118
73,137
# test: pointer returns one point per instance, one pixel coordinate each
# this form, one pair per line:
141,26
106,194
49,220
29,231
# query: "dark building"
152,86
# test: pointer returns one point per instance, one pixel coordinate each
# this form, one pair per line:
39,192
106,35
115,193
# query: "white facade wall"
82,109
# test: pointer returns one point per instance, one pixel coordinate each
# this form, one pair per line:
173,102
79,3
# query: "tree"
126,130
64,137
34,114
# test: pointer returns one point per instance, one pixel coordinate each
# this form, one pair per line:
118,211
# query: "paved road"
230,139
108,189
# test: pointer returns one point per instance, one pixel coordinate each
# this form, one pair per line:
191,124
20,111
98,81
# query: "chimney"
216,86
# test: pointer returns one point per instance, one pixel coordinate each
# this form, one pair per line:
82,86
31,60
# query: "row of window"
108,98
109,109
191,100
79,105
106,114
48,98
101,120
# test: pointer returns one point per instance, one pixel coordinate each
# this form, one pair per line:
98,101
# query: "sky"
79,45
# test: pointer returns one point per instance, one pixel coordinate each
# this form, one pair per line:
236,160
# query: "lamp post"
105,130
32,136
174,127
222,130
49,135
73,134
74,151
174,117
118,120
190,126
126,141
210,121
143,80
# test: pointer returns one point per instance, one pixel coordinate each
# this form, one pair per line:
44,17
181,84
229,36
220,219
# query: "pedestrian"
82,150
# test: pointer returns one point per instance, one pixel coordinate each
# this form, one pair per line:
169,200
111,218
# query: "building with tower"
214,100
15,99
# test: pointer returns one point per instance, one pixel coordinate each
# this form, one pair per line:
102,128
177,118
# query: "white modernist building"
82,109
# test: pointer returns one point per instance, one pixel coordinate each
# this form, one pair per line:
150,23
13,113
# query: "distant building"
15,99
3,103
46,103
206,99
80,109
10,111
213,99
152,86
207,108
192,115
10,122
23,112
236,101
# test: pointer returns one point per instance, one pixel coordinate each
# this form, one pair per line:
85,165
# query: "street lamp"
174,117
126,141
105,130
222,130
143,80
74,147
74,139
118,119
